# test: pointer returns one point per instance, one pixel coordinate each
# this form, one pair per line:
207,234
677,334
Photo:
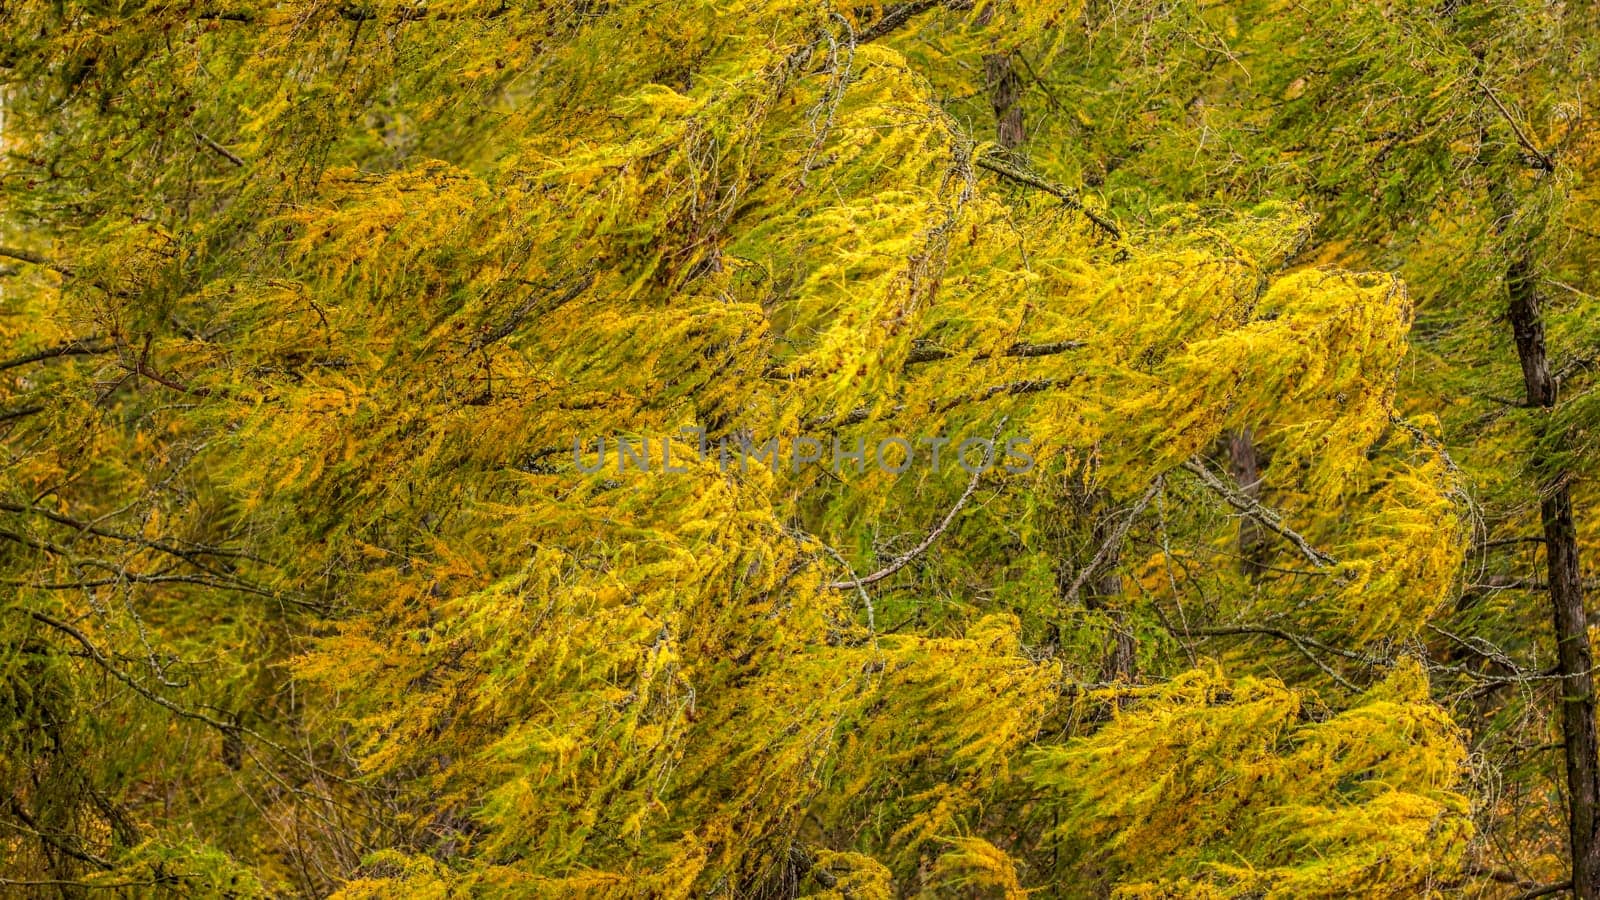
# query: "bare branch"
1260,513
19,413
902,561
895,17
28,256
1112,542
222,151
1010,388
1543,159
1067,196
83,347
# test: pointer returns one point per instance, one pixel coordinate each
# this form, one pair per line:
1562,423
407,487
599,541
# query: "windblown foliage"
317,317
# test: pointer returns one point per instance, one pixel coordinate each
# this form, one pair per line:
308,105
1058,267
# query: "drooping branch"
123,577
1508,542
860,586
527,306
1300,642
1505,583
30,826
1483,649
101,531
1546,890
853,417
87,885
93,652
141,366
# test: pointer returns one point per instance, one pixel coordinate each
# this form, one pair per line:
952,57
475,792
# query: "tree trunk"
1246,470
1005,92
1570,619
1005,95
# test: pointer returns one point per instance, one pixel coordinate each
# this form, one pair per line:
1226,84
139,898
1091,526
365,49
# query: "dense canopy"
794,449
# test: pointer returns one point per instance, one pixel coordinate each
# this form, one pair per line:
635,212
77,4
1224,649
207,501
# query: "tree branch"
1260,513
222,151
19,413
76,347
1021,350
1067,196
28,256
1543,159
1112,542
901,562
895,17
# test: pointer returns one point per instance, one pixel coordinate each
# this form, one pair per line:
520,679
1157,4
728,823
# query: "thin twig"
1545,162
1112,542
902,561
224,152
866,599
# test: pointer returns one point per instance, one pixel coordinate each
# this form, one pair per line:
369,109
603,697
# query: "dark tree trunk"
1569,617
1577,706
1246,470
1005,92
1005,96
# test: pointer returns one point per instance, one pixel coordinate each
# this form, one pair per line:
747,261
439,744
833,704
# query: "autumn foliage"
319,318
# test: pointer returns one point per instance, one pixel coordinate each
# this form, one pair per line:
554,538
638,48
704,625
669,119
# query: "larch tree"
483,448
1450,143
